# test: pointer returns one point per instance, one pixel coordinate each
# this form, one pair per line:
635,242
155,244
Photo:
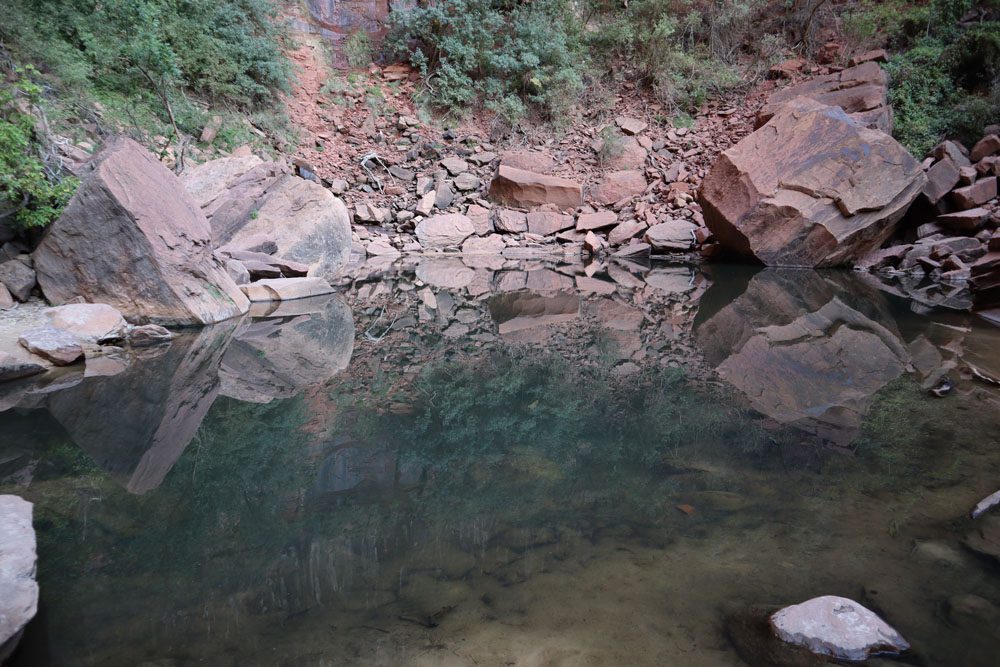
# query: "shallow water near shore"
454,464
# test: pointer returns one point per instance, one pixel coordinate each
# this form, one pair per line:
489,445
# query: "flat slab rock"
285,289
59,346
837,627
18,588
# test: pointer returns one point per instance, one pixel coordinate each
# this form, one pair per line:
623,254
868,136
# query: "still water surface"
512,465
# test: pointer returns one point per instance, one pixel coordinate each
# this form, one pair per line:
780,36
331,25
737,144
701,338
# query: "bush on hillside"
31,193
945,81
228,51
494,53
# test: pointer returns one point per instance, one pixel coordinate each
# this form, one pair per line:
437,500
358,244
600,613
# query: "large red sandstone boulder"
810,188
246,199
525,189
860,91
133,239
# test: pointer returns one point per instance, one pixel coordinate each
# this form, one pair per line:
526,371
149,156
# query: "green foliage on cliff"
945,78
514,58
228,52
499,54
31,192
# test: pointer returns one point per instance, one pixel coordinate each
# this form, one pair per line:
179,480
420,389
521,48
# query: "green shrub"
501,55
922,96
31,194
150,52
358,49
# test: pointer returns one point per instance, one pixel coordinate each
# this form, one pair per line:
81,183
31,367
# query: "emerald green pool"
454,465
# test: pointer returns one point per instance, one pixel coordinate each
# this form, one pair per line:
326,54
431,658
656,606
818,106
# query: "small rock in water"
148,334
837,627
943,387
986,504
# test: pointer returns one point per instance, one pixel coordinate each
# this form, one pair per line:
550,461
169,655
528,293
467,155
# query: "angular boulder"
812,188
837,627
673,235
18,588
56,345
247,199
517,187
861,91
447,229
18,278
131,238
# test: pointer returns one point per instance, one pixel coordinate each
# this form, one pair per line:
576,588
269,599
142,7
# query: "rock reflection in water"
137,423
807,349
287,347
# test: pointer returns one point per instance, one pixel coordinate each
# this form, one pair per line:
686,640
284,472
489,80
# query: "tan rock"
675,235
548,222
483,245
516,187
446,229
286,289
528,160
89,322
599,220
617,185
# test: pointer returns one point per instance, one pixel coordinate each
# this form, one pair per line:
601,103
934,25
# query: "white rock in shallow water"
838,627
18,589
986,504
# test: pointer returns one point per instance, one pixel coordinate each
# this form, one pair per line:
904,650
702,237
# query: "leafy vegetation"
31,192
945,80
158,69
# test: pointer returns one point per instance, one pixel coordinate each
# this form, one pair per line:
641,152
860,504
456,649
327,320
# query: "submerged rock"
133,239
837,627
812,188
18,588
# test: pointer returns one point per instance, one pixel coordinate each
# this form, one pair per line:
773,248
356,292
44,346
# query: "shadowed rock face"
303,343
136,424
803,352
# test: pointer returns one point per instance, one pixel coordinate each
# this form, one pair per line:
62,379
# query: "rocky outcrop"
18,589
132,238
810,188
860,91
837,627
